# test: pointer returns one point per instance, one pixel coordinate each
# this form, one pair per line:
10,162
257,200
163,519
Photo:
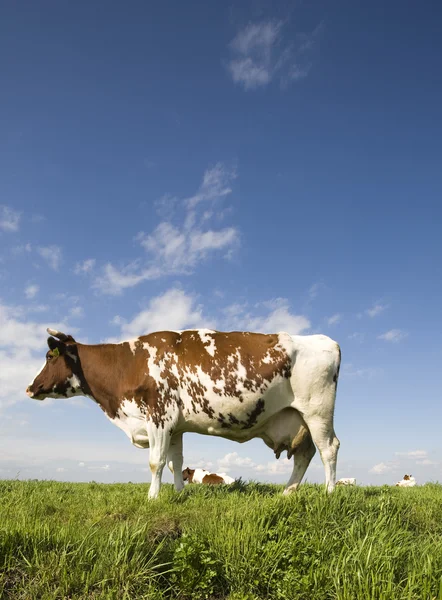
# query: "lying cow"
206,477
346,481
407,481
238,385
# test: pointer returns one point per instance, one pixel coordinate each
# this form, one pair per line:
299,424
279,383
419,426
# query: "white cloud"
349,370
413,454
393,335
31,291
259,55
376,309
22,350
172,310
52,255
180,250
277,467
278,319
9,218
81,464
177,248
356,336
315,289
232,459
113,281
426,462
76,312
334,319
22,249
84,267
382,468
60,470
215,185
100,468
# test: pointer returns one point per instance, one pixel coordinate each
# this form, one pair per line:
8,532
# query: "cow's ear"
56,345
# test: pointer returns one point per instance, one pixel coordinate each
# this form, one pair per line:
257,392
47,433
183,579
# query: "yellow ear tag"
55,352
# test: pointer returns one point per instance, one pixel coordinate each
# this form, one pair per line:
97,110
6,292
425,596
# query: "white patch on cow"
198,475
74,382
410,482
346,481
132,421
208,340
267,358
132,345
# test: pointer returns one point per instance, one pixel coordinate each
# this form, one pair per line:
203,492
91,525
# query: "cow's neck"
102,366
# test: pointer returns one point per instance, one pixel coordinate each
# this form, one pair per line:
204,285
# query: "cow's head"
407,477
188,474
61,375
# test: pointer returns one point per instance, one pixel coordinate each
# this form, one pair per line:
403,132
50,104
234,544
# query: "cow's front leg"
159,441
176,457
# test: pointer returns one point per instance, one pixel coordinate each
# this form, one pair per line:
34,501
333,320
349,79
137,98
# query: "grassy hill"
72,541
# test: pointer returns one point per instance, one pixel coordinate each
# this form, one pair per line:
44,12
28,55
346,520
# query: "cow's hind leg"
175,457
302,454
159,442
323,434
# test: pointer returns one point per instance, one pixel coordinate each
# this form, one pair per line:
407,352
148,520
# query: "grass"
91,541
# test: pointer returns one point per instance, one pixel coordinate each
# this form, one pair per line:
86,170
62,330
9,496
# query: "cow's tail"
337,367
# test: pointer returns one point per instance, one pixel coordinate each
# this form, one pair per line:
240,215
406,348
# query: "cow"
407,481
235,385
206,477
346,481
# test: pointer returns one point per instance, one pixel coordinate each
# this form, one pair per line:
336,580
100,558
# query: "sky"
231,165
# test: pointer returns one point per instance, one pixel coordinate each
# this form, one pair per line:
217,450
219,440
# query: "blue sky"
188,164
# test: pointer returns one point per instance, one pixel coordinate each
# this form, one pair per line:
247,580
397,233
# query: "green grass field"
71,541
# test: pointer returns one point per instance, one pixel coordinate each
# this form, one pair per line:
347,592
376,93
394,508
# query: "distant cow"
238,385
407,481
346,481
206,477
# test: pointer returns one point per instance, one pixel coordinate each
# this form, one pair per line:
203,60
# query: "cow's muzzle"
33,395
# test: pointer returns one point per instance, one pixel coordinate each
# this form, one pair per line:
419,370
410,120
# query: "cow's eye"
49,357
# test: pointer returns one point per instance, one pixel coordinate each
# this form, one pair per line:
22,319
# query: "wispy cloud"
413,454
31,291
260,54
376,309
278,318
216,184
382,468
9,219
172,310
52,255
315,289
178,247
349,370
393,335
334,319
84,267
233,461
359,337
21,350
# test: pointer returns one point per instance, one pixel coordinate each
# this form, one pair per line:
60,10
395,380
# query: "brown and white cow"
238,385
206,477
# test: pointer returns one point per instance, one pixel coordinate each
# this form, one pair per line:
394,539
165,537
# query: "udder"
285,431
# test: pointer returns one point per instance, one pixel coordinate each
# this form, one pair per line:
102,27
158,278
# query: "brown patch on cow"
212,479
188,475
407,477
259,354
